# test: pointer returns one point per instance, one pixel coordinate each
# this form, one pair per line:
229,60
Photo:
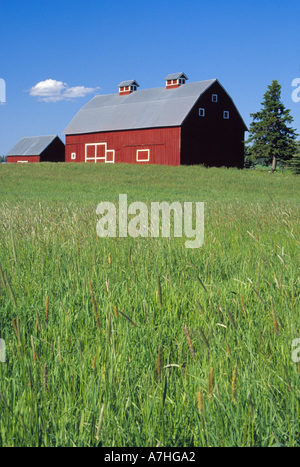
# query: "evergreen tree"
271,139
249,161
295,162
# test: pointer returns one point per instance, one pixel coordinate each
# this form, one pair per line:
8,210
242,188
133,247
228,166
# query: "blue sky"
55,56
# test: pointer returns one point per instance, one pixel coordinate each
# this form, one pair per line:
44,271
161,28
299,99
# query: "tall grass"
142,342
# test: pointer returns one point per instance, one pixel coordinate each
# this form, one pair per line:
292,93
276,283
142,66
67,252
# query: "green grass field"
142,342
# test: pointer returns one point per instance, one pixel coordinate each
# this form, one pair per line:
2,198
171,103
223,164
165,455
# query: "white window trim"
201,112
226,114
113,153
175,82
126,89
102,158
73,156
214,97
22,162
142,160
96,157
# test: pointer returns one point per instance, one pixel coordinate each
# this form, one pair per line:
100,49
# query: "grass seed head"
200,401
94,362
189,341
95,305
45,376
275,322
34,357
233,383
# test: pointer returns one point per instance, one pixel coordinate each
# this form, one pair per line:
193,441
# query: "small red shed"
195,123
37,149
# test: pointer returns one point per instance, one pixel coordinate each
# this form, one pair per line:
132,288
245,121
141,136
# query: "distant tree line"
272,140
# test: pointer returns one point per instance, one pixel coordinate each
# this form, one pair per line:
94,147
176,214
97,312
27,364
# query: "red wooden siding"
125,91
122,146
22,159
173,84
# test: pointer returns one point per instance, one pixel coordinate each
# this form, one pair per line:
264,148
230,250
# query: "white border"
142,160
73,156
201,114
214,97
226,114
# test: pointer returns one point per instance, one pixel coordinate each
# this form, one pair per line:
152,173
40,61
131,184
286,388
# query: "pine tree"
249,160
271,139
295,161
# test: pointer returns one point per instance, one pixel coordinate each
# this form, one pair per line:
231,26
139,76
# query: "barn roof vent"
175,80
127,87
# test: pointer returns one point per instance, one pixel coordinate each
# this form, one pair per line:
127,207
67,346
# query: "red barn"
37,149
180,123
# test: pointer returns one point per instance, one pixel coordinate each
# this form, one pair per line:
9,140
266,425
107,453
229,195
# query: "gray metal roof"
128,83
176,76
149,108
31,146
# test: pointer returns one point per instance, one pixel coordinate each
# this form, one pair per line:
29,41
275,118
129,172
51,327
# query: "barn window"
73,156
110,156
226,114
201,112
95,151
143,155
172,82
214,97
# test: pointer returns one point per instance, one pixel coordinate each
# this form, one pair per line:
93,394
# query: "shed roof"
31,145
149,108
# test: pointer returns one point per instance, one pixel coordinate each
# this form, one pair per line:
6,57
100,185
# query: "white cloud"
51,90
78,91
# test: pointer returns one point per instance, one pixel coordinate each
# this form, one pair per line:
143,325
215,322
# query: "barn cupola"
175,80
127,87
